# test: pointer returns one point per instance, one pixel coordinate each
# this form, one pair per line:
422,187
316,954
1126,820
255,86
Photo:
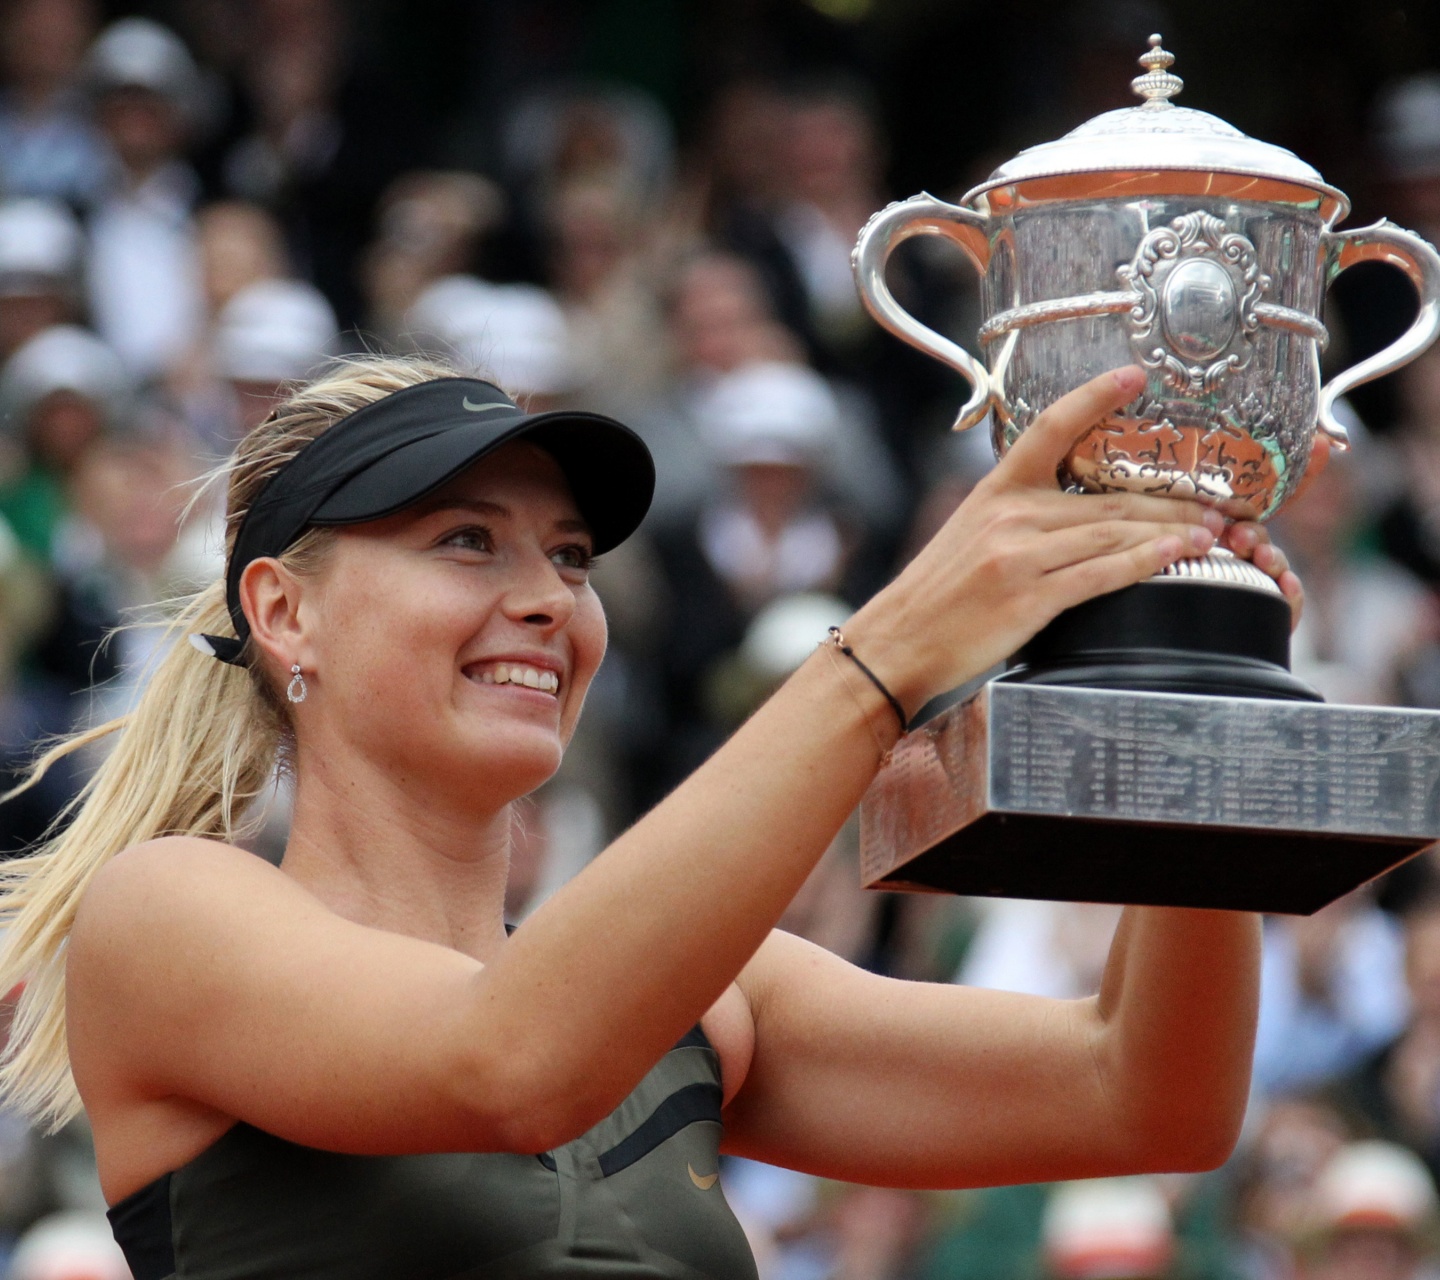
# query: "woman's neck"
384,857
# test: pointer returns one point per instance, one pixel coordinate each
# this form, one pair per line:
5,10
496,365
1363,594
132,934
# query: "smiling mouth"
515,673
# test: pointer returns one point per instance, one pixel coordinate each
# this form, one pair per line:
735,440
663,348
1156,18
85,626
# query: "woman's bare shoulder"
179,865
173,852
171,889
197,972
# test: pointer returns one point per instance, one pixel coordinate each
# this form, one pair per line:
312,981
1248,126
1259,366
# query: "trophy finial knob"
1157,86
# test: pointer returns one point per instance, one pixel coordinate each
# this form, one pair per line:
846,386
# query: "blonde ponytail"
202,742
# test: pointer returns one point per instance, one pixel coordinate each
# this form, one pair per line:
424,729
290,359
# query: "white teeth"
530,677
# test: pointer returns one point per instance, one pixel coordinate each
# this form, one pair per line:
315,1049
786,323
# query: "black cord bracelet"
838,640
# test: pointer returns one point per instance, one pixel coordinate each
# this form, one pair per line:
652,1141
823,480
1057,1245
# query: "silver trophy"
1152,745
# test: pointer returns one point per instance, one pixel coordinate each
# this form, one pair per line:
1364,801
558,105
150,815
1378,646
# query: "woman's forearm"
1175,1030
672,911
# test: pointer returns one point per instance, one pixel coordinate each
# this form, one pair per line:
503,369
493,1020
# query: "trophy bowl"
1161,236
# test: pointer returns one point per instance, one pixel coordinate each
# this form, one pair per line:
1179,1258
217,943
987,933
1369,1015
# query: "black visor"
391,453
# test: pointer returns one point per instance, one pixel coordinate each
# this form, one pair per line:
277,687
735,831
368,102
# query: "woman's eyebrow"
479,506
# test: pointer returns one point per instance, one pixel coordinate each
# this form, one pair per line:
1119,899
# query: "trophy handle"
923,215
1383,242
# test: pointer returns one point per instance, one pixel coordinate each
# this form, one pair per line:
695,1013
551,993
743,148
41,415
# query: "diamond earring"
296,690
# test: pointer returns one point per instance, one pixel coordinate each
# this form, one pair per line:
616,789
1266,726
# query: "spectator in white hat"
770,411
1375,1215
720,321
49,146
59,393
145,279
785,408
68,1246
1108,1229
516,334
770,426
137,56
269,333
40,254
767,529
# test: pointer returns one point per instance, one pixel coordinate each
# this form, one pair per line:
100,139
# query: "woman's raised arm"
912,1084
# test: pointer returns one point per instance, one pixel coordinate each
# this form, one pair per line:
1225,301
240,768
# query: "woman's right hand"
1018,551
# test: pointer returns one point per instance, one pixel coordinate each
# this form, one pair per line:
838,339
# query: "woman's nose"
539,595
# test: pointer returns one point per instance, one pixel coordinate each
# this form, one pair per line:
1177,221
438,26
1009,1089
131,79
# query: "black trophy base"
1170,635
1067,859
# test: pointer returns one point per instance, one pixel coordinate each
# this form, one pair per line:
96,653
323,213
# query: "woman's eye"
472,538
574,556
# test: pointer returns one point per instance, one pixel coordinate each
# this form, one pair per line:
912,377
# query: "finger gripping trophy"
1152,745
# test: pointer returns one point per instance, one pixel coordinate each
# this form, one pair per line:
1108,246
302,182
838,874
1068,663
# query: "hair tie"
225,648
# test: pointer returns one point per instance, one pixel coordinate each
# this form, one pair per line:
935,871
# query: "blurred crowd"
194,214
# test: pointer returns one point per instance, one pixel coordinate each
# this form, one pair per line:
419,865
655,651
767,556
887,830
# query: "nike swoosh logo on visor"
482,408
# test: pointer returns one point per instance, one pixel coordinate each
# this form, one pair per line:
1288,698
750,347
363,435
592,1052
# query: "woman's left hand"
1251,540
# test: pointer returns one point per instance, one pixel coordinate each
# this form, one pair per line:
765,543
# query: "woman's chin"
490,759
514,762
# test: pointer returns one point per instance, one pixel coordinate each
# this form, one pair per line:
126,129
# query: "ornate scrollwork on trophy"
1247,441
1133,450
1015,417
1195,286
1166,448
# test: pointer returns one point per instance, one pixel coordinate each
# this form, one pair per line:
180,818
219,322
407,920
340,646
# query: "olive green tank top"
637,1196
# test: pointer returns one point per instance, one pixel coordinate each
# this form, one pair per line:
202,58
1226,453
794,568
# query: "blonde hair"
202,742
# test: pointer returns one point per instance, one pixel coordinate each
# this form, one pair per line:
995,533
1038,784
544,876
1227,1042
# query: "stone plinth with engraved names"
1037,791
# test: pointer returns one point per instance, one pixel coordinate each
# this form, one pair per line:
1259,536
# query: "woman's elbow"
1200,1153
1188,1137
527,1108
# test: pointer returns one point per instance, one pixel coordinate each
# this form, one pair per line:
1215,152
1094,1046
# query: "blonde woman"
344,1067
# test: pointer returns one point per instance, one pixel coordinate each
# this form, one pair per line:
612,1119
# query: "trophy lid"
1156,148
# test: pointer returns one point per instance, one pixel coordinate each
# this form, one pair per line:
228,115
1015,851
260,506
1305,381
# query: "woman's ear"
270,595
